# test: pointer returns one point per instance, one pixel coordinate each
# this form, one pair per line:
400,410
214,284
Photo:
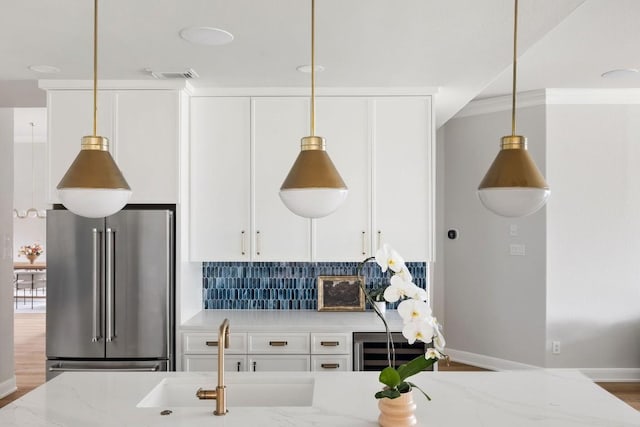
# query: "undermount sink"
241,392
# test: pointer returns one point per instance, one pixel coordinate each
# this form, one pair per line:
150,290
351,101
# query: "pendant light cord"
95,67
33,172
515,68
313,67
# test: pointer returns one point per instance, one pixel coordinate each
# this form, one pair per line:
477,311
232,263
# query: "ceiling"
461,47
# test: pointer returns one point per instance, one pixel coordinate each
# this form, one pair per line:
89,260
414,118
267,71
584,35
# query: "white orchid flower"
397,289
404,274
432,353
387,257
413,310
413,331
418,293
438,339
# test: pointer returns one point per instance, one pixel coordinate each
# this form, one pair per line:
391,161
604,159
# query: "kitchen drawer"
331,363
202,363
279,343
330,343
281,363
207,343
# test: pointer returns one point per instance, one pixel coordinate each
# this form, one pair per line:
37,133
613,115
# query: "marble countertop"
459,399
293,321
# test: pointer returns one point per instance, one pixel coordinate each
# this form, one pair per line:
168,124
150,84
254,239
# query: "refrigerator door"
74,286
139,284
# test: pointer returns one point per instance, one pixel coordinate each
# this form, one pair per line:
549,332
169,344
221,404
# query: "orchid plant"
419,323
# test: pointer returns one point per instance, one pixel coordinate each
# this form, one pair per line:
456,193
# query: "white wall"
494,303
7,378
593,235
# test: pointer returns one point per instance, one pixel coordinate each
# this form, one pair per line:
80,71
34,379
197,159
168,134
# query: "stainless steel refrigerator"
110,291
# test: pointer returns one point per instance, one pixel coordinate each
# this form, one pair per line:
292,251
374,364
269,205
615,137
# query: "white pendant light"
513,185
313,188
93,186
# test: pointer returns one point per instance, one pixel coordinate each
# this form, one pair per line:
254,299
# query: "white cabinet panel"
278,124
202,363
345,234
402,177
278,343
280,362
220,179
70,117
331,363
146,143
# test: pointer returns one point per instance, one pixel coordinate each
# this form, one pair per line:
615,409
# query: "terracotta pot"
32,258
398,412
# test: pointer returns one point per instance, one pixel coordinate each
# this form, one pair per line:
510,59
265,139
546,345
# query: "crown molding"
320,91
114,84
617,96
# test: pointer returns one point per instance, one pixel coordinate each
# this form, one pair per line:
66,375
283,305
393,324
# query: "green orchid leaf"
391,393
415,366
390,377
421,390
404,387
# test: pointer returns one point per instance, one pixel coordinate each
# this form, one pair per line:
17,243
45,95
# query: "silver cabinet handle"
238,366
330,365
364,243
109,285
154,368
258,245
96,285
379,238
242,242
254,363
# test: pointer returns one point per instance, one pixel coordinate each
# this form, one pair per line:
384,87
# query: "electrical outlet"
517,249
555,347
513,229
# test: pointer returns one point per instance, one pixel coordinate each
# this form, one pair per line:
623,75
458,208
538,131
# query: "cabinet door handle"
278,343
329,365
238,365
258,246
211,343
364,243
242,242
329,343
253,364
379,238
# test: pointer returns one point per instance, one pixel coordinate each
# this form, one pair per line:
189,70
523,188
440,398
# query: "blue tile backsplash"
283,285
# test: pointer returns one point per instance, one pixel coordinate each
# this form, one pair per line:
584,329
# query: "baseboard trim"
496,364
613,375
486,362
7,387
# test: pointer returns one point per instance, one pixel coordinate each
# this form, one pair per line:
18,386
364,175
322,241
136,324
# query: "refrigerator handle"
96,285
111,318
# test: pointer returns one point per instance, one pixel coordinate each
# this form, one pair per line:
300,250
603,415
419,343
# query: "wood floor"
30,362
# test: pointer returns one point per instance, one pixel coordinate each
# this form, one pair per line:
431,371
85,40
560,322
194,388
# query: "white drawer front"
284,362
279,343
331,363
207,343
201,363
330,343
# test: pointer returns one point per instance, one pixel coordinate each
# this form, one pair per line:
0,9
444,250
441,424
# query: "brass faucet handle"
203,394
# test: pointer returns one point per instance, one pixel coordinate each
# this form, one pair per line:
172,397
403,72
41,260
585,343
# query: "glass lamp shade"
313,188
93,186
513,185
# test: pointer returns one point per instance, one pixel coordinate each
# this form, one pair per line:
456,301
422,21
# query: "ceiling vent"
173,75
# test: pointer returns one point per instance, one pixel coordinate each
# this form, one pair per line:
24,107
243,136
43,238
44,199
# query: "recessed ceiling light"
206,36
307,68
620,73
45,69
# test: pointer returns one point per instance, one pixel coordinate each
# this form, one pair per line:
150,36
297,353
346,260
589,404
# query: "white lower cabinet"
268,351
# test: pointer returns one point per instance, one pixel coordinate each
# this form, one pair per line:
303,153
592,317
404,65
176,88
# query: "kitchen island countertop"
460,399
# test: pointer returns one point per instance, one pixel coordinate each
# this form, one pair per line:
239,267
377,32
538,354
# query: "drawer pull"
329,343
278,343
330,365
211,343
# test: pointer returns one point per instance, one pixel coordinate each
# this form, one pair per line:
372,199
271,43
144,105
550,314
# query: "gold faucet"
219,394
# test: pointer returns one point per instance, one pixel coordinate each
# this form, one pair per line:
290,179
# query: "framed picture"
340,293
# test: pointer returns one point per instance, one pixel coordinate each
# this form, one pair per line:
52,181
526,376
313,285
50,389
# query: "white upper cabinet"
220,178
278,124
146,143
345,234
143,127
70,117
403,184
